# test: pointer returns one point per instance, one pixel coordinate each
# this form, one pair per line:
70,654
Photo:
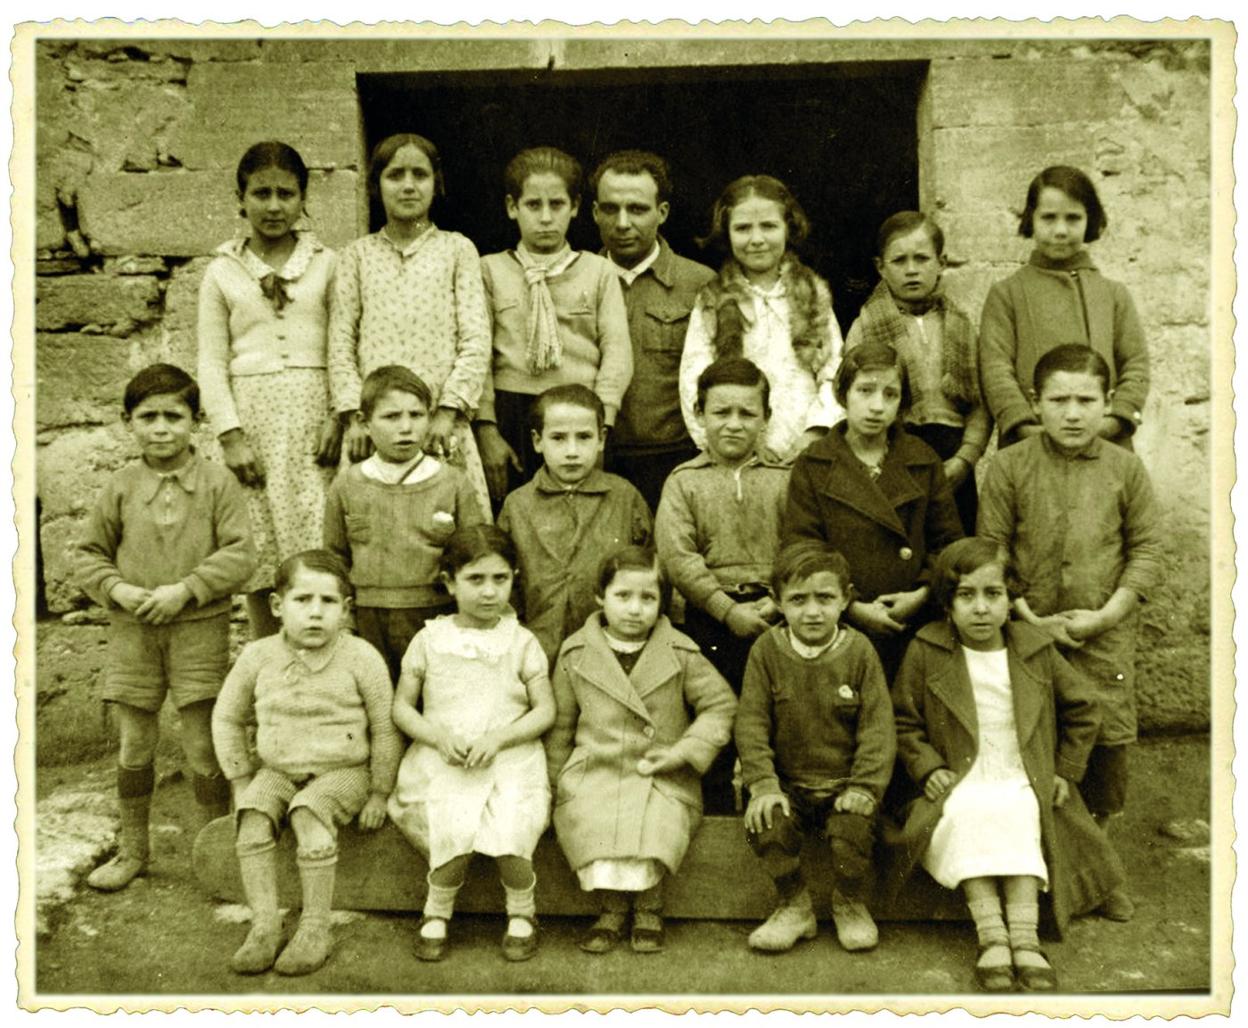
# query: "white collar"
631,275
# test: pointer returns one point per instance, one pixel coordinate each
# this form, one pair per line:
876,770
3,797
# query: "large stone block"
166,213
126,123
80,379
106,301
72,466
1021,92
236,105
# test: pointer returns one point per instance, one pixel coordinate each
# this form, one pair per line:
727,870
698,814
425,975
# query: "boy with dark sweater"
816,737
717,530
389,516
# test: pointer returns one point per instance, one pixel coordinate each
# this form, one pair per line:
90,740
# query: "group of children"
816,546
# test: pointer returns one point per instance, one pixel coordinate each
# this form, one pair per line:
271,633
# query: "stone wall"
136,146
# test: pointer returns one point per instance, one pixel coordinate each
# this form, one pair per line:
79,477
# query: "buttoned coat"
1056,717
606,721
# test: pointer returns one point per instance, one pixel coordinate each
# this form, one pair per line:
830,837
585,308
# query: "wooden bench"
720,879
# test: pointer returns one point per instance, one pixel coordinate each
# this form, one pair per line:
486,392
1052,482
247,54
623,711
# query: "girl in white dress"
767,306
996,727
474,778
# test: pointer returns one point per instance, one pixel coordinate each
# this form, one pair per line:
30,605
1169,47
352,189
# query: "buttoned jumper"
1078,528
800,398
262,368
422,306
561,537
1046,303
650,437
473,681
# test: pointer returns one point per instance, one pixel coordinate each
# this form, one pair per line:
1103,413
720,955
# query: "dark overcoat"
1057,718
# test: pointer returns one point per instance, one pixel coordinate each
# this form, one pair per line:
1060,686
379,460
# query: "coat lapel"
658,663
849,484
1028,690
598,666
952,686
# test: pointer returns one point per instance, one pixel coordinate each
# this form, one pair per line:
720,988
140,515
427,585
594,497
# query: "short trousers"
335,797
186,659
1104,785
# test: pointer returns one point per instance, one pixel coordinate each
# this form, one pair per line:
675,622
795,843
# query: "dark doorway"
842,136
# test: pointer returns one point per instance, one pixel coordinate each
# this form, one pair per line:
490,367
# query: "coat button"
905,553
648,731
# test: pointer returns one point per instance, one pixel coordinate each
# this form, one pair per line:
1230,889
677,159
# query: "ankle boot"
793,919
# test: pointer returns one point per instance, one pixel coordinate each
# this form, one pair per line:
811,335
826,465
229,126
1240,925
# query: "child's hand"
854,801
440,439
1082,624
373,816
1111,427
128,597
1061,790
496,456
1058,629
744,622
759,813
356,442
956,470
901,607
329,442
874,617
938,783
482,750
659,759
164,604
241,459
766,609
452,748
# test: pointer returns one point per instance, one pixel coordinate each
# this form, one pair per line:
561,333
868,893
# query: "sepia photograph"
722,517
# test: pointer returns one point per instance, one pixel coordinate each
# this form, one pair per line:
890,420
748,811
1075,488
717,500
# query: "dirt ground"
165,937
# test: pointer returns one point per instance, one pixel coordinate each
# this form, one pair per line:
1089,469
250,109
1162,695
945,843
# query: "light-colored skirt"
987,829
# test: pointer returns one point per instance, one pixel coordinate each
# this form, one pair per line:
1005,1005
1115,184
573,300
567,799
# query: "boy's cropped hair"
572,393
965,557
313,560
1078,358
902,224
871,357
392,378
635,558
806,557
1075,184
539,159
161,380
737,371
635,162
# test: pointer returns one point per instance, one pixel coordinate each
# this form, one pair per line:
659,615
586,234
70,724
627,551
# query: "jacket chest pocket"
663,334
508,313
844,703
359,529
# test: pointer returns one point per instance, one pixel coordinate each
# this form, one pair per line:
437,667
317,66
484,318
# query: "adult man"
632,190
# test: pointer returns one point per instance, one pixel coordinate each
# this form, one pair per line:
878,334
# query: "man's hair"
636,162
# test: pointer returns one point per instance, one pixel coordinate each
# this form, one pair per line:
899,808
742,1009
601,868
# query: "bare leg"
212,790
136,778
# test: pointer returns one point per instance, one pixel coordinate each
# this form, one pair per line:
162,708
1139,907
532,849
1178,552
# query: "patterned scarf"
728,303
880,321
544,349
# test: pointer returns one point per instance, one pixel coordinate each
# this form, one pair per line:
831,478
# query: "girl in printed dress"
263,313
474,696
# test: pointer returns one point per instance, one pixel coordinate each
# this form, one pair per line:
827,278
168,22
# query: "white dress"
473,682
990,823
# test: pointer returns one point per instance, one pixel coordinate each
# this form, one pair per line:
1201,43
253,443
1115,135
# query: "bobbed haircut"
870,357
472,543
161,380
634,558
768,188
1075,184
965,557
271,154
392,378
572,393
383,153
799,560
902,224
1079,358
736,371
636,162
539,159
324,561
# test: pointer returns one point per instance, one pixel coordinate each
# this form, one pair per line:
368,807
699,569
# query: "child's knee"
783,837
139,731
196,721
451,874
314,838
255,832
515,872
